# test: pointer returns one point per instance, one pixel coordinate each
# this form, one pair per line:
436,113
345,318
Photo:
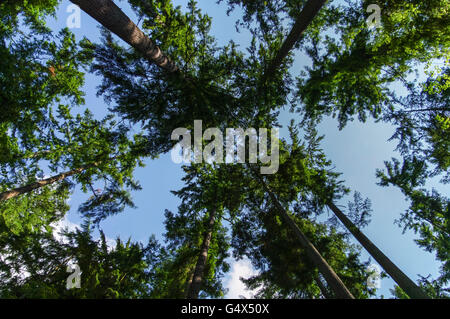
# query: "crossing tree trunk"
397,275
334,282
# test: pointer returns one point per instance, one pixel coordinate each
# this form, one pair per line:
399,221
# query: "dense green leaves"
353,72
397,73
36,267
203,195
429,212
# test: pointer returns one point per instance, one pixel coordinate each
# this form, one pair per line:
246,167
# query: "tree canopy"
167,69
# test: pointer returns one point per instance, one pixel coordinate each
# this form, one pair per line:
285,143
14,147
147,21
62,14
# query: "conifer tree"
36,266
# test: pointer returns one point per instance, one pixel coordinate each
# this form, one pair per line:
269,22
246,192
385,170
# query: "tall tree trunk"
108,14
400,278
309,12
330,276
197,280
333,280
28,188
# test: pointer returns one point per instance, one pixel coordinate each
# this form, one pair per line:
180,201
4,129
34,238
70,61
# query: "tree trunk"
189,283
330,276
28,188
309,12
400,278
197,280
333,280
108,14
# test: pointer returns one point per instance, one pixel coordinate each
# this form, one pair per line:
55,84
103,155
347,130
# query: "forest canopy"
156,67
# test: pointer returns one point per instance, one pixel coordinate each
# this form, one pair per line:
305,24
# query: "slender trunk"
400,278
197,280
330,276
309,12
333,280
108,14
28,188
435,109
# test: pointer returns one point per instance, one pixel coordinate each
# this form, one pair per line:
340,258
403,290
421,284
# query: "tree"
36,266
372,59
195,284
175,73
428,213
111,17
332,279
89,151
33,12
196,234
313,186
408,285
285,270
325,181
308,13
360,71
41,71
217,84
278,243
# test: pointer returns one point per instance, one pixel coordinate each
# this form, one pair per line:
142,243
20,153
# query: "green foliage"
35,267
41,76
104,152
185,231
37,72
429,212
433,288
284,268
355,72
303,185
35,211
216,84
33,13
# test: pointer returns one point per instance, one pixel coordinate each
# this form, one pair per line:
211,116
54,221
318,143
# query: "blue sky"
356,151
